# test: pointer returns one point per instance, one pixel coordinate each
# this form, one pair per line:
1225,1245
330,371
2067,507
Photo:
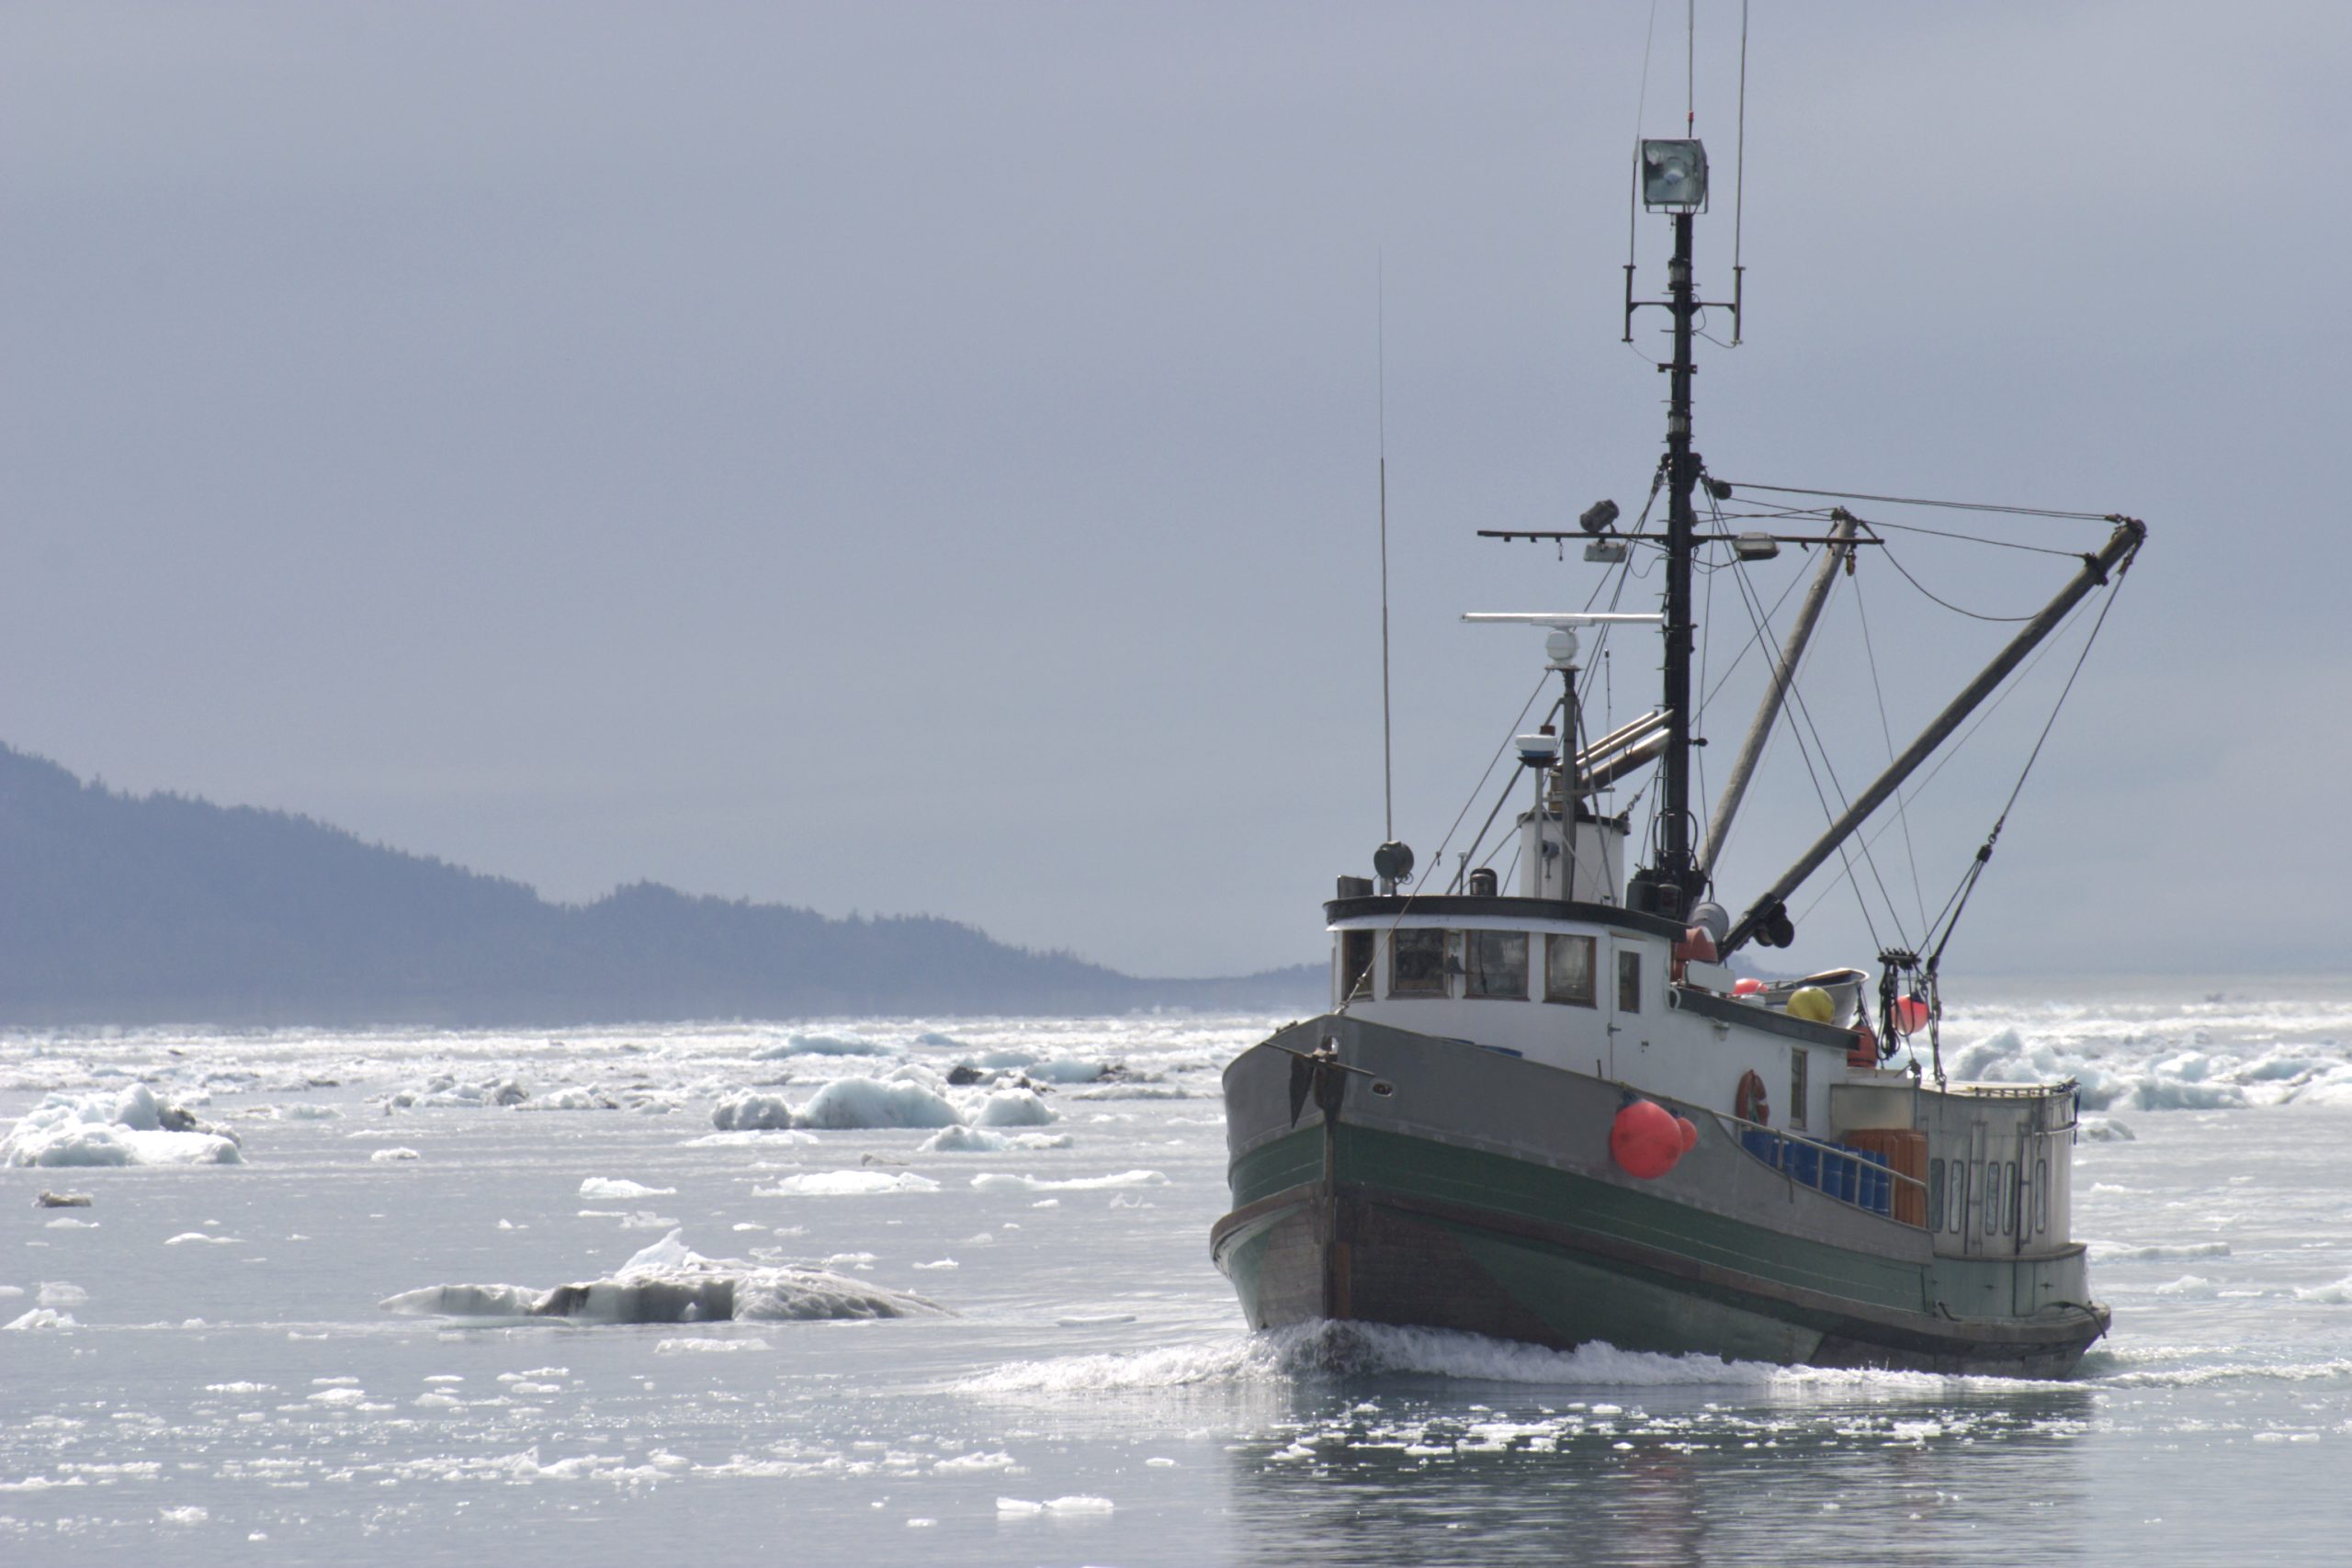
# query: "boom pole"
1751,750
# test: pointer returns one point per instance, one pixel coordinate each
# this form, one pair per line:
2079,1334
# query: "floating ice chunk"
972,1464
2335,1294
60,1294
1065,1069
191,1514
620,1187
859,1102
823,1045
1134,1091
751,1137
1095,1320
751,1111
126,1127
303,1111
2189,1285
199,1235
669,1283
939,1264
575,1097
68,1222
388,1157
846,1184
977,1141
41,1317
702,1347
997,1181
2107,1130
1019,1508
932,1037
1014,1108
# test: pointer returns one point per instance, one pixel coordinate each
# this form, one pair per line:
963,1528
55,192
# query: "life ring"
1750,1104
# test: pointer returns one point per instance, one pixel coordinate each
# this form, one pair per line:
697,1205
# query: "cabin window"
1355,964
1567,969
1494,963
1992,1197
1417,964
1629,980
1936,1192
1797,1086
2011,1209
2040,1196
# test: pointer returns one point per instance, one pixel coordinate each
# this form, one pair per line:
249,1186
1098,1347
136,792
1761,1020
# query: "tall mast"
1676,861
1671,883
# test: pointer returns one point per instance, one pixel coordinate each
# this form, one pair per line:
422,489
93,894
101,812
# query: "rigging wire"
1916,501
1950,752
1888,556
1983,857
1902,811
1796,696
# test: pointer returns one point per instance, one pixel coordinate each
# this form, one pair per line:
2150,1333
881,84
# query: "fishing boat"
1557,1115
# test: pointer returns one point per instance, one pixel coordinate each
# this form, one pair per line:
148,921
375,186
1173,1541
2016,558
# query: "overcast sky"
915,457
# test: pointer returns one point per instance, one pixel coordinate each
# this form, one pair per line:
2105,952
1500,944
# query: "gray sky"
920,457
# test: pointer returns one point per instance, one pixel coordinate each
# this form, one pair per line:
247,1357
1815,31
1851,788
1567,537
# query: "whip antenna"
1387,749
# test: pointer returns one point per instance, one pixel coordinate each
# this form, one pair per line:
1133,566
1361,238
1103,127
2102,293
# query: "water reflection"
1385,1472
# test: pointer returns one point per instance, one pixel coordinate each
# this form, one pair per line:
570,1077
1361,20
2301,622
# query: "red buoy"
1910,1015
1747,985
1646,1139
1689,1133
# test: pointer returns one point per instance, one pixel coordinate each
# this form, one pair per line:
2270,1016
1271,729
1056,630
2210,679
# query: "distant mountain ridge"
121,910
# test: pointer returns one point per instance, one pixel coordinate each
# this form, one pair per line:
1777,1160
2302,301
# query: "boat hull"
1477,1195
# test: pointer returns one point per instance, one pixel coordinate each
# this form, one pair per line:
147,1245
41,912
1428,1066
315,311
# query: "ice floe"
669,1283
865,1102
620,1187
961,1140
846,1184
129,1127
998,1181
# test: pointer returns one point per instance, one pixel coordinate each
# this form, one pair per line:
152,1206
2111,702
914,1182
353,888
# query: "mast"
1671,884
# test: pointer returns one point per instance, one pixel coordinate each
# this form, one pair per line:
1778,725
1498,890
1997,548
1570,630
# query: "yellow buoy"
1811,1002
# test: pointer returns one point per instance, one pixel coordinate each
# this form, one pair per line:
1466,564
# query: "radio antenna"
1387,747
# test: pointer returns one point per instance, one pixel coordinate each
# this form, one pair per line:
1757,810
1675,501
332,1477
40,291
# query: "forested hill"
121,910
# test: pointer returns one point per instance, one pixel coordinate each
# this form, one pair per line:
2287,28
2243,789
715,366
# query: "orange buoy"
1747,985
1689,1133
1911,1015
1646,1139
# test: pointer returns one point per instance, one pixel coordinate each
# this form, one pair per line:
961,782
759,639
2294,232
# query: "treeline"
121,910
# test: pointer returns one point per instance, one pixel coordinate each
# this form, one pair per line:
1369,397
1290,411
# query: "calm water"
229,1389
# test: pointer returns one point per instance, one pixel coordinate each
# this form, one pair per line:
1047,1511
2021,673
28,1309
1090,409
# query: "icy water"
199,1368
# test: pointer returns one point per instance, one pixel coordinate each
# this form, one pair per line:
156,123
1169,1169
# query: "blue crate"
1764,1145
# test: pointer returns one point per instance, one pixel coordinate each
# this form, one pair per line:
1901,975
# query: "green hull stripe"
1421,1168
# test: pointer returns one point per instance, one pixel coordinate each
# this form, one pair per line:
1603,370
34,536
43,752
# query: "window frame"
1476,974
1591,997
1629,979
1356,980
1396,943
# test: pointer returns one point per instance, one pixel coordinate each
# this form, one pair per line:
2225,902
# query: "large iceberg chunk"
670,1282
132,1127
